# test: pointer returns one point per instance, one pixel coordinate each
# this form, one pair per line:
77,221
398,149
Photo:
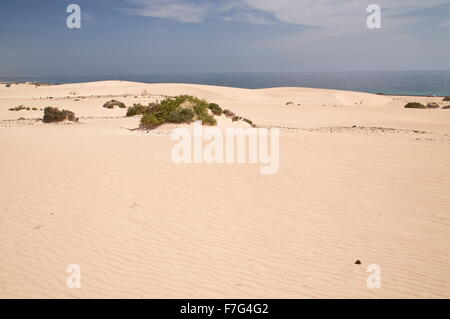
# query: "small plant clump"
415,105
113,103
19,108
53,114
432,105
215,108
447,98
228,113
446,107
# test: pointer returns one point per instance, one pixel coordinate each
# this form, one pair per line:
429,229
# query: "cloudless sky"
197,36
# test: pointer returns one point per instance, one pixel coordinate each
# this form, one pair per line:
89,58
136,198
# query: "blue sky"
185,36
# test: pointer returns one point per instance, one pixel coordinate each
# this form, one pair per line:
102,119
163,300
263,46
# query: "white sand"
111,200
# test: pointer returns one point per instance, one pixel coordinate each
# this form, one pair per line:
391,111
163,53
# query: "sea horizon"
420,83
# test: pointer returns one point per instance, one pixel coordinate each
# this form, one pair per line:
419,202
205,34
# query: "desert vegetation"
447,98
113,103
53,114
446,107
180,109
19,108
415,105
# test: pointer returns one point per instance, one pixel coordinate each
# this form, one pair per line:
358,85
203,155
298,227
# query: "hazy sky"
182,36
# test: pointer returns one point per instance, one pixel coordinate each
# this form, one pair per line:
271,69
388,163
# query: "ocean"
386,82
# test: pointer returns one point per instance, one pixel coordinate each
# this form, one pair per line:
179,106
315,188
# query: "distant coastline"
406,83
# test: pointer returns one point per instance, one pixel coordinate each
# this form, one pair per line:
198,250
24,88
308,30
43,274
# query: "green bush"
447,98
53,114
215,108
415,105
137,109
181,116
207,120
113,103
150,121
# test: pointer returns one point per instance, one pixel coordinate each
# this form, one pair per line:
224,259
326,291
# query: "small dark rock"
358,262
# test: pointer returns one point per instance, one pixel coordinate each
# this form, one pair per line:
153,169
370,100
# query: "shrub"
228,113
235,118
111,104
215,108
34,109
181,116
150,121
289,103
207,120
446,107
248,121
447,98
432,105
137,109
53,114
415,105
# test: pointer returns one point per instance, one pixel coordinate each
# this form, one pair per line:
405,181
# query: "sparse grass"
113,103
415,105
53,114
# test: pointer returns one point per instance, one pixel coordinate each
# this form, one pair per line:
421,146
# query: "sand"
360,178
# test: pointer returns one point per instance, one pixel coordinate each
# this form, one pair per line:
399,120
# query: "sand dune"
361,178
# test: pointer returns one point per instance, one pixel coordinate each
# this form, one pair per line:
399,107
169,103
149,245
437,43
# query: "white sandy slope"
361,178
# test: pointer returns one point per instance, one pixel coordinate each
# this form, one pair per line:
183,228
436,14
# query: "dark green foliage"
180,109
215,108
207,120
137,109
53,114
113,103
415,105
181,116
